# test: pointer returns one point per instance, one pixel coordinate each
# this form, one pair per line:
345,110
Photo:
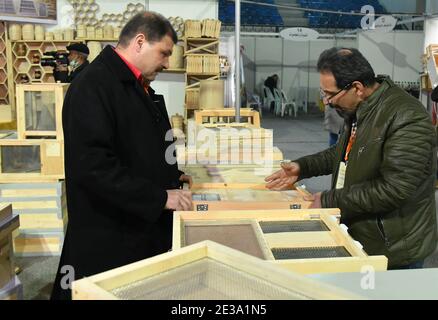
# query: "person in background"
333,123
383,166
78,61
272,83
122,186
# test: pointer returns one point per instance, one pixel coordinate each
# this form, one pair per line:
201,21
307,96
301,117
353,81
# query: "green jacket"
388,199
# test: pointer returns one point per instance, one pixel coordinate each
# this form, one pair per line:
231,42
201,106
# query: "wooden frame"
238,199
236,176
293,286
59,91
51,155
189,156
252,115
335,236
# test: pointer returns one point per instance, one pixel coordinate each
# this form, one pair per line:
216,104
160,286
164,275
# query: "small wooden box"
203,271
32,160
13,290
303,241
39,110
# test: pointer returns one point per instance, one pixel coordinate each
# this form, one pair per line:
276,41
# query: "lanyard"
351,140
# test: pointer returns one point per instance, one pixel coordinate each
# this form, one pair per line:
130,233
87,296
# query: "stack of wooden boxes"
32,170
10,286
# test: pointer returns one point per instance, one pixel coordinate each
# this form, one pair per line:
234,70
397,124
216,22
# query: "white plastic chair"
286,105
255,103
268,97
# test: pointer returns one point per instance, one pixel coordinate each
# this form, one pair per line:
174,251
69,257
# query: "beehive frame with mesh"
305,241
203,271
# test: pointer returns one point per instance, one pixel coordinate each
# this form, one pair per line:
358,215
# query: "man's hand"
186,179
179,200
285,178
316,200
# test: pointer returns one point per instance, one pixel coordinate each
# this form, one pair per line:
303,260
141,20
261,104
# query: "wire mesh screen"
206,197
20,159
204,279
310,253
293,226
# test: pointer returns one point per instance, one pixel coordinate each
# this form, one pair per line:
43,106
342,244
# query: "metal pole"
237,60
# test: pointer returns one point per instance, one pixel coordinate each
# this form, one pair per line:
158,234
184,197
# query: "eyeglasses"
324,95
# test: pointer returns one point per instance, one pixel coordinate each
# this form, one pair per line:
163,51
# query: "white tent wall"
397,54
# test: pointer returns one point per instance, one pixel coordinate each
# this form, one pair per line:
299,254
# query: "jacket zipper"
382,231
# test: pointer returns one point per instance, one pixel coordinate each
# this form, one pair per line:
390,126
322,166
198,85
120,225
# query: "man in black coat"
122,182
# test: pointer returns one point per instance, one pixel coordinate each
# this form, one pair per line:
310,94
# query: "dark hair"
153,25
346,65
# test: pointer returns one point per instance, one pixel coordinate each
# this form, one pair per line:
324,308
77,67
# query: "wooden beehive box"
203,271
236,176
227,116
31,160
193,156
242,199
8,223
304,241
39,110
192,29
42,210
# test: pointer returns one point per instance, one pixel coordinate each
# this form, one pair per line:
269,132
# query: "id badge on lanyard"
340,180
341,175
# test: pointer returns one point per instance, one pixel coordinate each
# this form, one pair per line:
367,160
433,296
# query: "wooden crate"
303,241
203,271
8,223
42,209
32,160
39,110
192,98
241,199
13,290
211,28
202,64
192,29
227,116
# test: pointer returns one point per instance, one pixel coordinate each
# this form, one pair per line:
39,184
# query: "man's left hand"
316,200
184,178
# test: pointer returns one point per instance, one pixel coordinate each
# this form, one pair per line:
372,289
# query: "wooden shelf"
37,41
201,39
204,74
94,39
174,71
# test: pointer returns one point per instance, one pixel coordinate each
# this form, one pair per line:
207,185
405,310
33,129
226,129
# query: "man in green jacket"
383,166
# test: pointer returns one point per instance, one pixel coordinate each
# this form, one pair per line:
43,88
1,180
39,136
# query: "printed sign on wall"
34,11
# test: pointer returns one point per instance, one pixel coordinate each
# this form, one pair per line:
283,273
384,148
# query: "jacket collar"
374,99
112,60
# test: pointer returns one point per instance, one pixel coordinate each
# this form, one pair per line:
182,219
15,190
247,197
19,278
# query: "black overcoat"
116,170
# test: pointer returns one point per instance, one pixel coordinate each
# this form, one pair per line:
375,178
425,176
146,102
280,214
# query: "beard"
346,114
